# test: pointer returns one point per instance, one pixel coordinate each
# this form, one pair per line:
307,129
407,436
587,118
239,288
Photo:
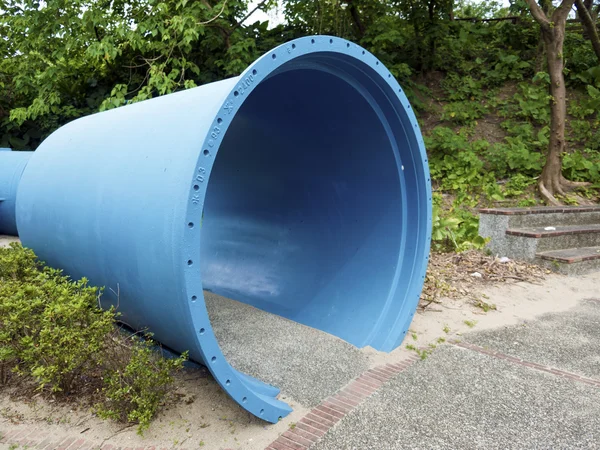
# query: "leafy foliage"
136,384
53,333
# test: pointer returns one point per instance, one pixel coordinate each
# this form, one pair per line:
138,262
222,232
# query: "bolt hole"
206,152
190,262
254,72
191,225
213,359
219,120
376,63
363,52
262,411
312,41
348,45
293,45
236,93
274,56
227,383
244,400
389,75
408,106
202,331
196,187
194,298
331,41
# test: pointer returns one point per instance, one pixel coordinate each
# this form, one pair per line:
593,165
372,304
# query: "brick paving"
323,417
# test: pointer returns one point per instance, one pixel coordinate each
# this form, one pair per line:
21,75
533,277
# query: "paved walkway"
533,385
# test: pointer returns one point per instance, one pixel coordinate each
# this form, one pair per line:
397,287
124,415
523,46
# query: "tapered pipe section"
300,187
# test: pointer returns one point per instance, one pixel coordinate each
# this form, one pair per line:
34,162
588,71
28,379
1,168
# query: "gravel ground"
462,399
308,365
569,340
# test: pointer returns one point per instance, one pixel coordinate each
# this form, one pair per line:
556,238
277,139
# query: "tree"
64,59
552,182
587,20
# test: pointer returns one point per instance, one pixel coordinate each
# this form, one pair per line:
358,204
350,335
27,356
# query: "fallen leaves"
451,275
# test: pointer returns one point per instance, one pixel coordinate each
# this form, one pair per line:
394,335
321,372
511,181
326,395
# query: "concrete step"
539,216
525,243
571,261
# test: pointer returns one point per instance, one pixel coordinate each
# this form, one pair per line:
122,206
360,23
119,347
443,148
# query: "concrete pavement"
546,396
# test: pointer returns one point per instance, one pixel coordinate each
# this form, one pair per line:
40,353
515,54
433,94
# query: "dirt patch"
489,129
204,417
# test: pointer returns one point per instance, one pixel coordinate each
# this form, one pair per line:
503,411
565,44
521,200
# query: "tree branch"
589,25
215,17
356,18
246,16
538,14
562,12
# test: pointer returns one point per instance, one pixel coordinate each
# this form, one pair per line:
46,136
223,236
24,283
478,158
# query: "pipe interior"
303,215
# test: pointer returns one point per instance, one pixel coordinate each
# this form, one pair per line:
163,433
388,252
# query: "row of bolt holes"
312,41
202,331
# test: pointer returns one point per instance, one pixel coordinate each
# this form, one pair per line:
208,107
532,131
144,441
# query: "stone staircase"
564,239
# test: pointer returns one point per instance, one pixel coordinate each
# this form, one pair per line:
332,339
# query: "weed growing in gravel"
470,323
485,306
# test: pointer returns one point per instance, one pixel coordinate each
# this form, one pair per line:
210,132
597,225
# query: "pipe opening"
308,213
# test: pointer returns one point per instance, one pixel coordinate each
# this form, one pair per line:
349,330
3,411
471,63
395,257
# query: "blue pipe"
300,187
12,165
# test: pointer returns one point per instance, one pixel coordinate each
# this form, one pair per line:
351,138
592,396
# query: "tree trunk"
589,26
540,56
552,173
358,24
551,181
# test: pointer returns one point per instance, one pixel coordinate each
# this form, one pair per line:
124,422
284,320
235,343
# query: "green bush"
582,166
137,383
456,229
53,333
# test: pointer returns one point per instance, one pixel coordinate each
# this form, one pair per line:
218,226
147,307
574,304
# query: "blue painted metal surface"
300,187
12,165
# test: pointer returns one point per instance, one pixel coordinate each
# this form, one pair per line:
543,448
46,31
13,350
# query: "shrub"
136,384
53,333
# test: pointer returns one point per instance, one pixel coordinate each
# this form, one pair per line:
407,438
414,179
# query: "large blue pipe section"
300,187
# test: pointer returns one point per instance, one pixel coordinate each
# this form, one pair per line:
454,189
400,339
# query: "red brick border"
32,437
323,417
531,365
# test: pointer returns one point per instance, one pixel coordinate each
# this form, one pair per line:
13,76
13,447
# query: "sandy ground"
205,417
5,240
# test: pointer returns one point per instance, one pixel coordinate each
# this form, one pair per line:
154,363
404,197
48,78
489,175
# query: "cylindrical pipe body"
12,164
